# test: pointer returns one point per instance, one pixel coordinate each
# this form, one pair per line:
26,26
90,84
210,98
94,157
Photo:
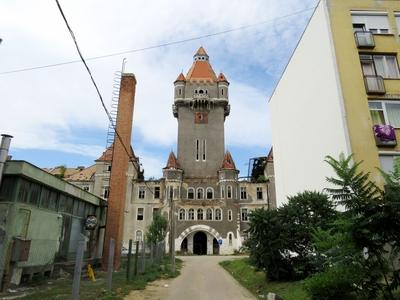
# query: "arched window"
210,193
200,193
200,214
229,215
191,214
218,214
222,191
190,193
139,235
201,92
229,192
230,239
182,214
209,214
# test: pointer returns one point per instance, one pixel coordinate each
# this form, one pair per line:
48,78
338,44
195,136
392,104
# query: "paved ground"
201,278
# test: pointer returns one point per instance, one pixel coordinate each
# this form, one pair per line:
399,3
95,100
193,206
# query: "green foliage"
335,283
281,240
158,229
365,238
254,281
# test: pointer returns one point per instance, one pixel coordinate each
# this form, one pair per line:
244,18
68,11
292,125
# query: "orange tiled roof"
201,69
228,162
108,154
221,77
172,162
181,77
201,51
83,175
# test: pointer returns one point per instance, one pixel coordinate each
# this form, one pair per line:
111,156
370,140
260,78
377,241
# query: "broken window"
210,194
200,193
156,192
259,193
140,214
243,192
142,192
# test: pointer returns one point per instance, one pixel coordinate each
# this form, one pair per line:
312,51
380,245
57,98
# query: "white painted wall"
307,116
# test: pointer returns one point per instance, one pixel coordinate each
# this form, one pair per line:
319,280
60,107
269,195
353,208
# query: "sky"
54,113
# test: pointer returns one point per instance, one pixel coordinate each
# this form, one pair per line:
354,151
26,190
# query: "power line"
160,45
82,59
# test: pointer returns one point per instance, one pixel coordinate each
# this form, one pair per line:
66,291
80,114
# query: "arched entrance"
184,245
200,243
215,246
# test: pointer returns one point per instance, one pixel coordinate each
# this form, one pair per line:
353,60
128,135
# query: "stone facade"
211,203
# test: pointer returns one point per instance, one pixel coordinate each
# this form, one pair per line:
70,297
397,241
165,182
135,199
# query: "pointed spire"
181,77
201,51
201,69
221,77
172,162
228,162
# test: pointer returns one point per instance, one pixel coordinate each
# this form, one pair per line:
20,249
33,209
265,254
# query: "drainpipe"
4,147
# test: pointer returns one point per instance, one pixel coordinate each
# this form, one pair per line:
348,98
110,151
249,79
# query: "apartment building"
340,93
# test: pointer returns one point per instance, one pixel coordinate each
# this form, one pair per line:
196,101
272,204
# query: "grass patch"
61,288
257,284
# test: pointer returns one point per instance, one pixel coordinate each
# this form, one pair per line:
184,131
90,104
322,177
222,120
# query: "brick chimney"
119,169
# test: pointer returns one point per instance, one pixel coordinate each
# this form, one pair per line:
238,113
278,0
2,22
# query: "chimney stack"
4,147
119,169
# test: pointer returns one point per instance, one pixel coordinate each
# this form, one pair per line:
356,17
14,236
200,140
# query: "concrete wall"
189,132
307,113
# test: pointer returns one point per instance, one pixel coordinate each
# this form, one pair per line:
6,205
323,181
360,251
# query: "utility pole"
172,231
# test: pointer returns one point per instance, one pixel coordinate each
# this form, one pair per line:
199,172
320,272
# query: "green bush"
335,283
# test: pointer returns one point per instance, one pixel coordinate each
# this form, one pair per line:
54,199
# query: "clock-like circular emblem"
91,222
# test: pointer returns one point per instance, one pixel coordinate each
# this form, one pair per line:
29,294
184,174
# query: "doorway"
184,246
200,243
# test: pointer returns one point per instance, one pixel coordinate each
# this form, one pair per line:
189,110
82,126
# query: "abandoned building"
211,202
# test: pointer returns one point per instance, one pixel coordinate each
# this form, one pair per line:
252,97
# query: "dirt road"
201,278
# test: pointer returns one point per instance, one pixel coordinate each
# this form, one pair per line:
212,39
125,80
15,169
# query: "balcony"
364,39
374,85
385,135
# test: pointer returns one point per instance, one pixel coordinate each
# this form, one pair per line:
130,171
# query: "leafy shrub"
333,284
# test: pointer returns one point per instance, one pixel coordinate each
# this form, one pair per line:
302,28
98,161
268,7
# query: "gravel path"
201,279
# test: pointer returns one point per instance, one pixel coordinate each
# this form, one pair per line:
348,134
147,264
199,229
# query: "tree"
158,229
366,236
281,240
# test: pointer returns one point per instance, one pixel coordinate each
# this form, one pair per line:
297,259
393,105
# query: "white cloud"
45,107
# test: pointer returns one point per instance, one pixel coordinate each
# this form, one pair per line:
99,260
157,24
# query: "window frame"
230,215
209,217
202,193
244,214
207,193
182,214
193,192
243,193
259,189
218,212
140,217
229,192
369,58
157,192
384,110
141,192
368,25
191,214
200,212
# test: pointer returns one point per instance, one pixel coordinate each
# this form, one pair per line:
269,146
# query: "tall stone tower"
201,105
